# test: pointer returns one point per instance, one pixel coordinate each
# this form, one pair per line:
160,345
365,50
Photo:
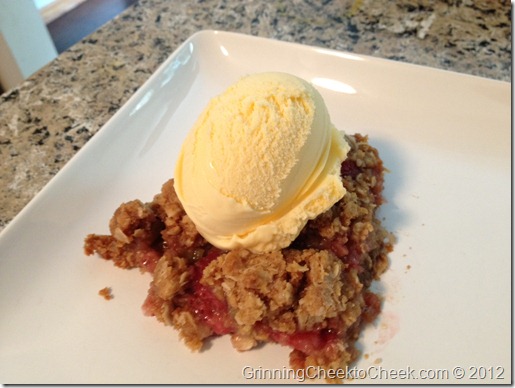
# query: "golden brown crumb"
106,293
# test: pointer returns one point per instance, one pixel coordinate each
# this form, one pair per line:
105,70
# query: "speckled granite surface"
44,121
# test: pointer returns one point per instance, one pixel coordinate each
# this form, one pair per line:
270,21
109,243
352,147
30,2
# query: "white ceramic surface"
444,136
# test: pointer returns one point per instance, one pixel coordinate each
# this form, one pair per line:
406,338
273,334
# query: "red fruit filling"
204,304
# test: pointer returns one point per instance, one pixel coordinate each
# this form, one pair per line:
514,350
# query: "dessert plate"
445,137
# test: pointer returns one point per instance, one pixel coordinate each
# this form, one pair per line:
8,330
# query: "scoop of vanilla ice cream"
261,160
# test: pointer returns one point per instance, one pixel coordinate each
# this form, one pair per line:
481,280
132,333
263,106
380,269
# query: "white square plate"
444,136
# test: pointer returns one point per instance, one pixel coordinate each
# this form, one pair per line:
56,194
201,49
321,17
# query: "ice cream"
262,159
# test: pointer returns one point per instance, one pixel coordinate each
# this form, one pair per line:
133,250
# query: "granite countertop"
48,118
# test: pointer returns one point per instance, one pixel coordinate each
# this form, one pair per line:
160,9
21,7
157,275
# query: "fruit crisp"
313,296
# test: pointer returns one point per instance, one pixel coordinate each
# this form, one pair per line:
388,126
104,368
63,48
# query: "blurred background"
33,32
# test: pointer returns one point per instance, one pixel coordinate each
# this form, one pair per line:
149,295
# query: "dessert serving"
267,232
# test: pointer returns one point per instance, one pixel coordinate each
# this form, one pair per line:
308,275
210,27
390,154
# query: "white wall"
25,44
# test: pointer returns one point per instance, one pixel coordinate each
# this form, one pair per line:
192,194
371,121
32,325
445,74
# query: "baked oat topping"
106,293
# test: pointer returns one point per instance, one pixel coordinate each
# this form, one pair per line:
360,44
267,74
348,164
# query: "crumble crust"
106,293
312,296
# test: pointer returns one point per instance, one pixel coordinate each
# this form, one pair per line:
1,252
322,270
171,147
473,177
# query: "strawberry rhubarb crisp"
268,230
312,296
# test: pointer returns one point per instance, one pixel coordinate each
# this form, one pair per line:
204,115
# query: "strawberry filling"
204,304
